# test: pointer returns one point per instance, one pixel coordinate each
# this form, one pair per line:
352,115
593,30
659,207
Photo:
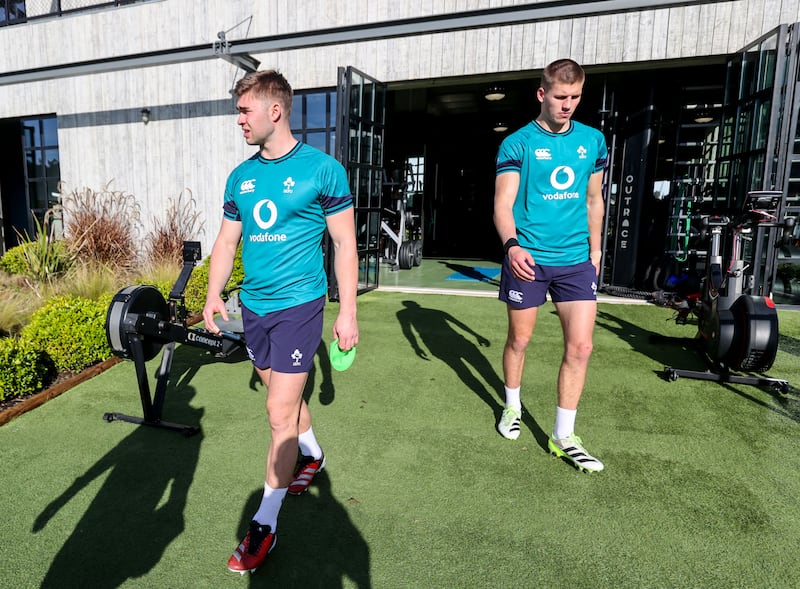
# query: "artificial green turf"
420,491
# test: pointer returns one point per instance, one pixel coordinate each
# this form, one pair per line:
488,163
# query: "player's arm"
341,227
595,209
219,270
506,187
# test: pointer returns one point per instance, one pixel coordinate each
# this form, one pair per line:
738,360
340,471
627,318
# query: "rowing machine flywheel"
756,334
126,307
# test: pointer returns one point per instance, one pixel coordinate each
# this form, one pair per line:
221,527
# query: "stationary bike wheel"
123,312
756,342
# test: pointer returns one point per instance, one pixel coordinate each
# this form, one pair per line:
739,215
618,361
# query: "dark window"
42,163
11,12
313,119
18,11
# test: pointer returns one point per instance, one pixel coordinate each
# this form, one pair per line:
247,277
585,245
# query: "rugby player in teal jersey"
279,203
548,212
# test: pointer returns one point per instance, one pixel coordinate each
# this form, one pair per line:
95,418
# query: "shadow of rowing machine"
140,323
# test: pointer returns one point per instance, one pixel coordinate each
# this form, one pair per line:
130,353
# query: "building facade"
136,95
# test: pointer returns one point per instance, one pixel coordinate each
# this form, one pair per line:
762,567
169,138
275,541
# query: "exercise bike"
736,331
139,323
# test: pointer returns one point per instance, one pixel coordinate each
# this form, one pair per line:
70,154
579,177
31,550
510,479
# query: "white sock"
267,514
565,423
512,398
309,445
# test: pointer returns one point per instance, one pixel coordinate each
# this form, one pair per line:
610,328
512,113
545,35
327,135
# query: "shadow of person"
318,544
436,332
327,391
665,350
139,508
472,273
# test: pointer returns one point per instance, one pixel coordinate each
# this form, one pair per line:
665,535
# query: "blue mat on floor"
475,274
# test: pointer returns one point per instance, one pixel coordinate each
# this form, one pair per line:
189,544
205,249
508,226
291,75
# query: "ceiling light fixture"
703,118
500,127
703,113
495,93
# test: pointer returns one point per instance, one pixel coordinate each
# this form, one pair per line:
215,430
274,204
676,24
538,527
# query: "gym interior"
458,131
664,120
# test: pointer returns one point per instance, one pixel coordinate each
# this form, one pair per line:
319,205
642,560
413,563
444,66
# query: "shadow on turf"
683,353
788,344
318,544
471,272
138,510
437,332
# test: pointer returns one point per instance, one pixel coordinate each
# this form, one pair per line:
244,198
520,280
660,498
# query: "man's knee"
578,351
517,342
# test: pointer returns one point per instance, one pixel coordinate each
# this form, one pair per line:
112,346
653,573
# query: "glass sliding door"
361,106
759,142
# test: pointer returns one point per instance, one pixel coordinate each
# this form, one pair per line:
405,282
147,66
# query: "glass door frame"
759,118
359,146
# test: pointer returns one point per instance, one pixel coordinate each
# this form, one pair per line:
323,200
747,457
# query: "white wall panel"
630,36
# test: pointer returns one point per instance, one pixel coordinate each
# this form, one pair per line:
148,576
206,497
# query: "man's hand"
521,263
214,304
345,329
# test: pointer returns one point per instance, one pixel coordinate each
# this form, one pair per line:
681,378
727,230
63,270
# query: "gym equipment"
737,331
139,323
403,224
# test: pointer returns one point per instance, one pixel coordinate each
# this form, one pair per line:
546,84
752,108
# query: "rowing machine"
139,323
736,331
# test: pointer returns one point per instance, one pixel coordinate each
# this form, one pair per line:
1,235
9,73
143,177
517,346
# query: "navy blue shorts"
285,341
564,283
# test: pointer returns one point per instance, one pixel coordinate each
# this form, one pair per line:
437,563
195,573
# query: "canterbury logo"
247,186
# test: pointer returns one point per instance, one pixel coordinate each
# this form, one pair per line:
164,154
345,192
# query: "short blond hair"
265,85
562,71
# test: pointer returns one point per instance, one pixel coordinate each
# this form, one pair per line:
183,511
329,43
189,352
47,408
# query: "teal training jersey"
550,208
282,205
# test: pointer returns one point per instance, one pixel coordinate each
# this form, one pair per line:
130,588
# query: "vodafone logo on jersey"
265,219
561,179
265,214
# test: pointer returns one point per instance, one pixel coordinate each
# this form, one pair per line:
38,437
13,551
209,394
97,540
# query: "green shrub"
197,287
71,330
13,261
42,257
23,368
